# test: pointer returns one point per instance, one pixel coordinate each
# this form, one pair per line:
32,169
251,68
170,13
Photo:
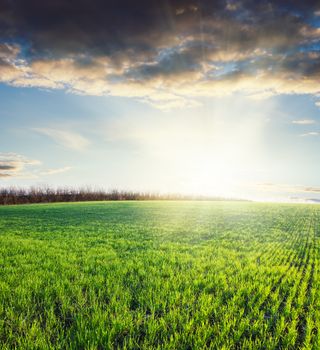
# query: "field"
160,275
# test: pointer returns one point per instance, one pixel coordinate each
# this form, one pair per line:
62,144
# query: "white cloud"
56,171
312,133
304,122
68,139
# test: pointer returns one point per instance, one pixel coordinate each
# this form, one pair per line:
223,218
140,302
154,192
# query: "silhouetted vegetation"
15,195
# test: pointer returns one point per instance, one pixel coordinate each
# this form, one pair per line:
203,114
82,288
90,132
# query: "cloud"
4,175
304,122
55,171
13,165
7,167
65,138
271,187
312,133
140,49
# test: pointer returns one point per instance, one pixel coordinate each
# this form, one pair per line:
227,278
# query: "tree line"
14,195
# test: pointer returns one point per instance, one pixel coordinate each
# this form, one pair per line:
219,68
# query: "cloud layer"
163,52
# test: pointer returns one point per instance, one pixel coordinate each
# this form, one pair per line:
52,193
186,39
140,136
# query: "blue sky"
232,146
217,98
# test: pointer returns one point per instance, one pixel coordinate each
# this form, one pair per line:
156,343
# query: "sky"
218,98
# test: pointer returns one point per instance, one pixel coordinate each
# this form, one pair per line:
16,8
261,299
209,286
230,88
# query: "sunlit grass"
159,275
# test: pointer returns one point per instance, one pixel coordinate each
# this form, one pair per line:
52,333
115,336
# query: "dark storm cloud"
95,46
306,65
171,64
98,27
106,27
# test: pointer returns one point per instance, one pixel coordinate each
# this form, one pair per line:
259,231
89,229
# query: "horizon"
51,194
194,97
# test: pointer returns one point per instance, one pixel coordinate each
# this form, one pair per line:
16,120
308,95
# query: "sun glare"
220,158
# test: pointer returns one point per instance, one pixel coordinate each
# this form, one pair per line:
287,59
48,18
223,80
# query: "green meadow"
160,275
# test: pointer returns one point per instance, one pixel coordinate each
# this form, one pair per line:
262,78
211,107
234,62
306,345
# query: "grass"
160,275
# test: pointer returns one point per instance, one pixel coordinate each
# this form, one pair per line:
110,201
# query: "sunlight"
221,157
212,174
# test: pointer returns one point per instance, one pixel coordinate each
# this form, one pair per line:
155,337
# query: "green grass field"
160,275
